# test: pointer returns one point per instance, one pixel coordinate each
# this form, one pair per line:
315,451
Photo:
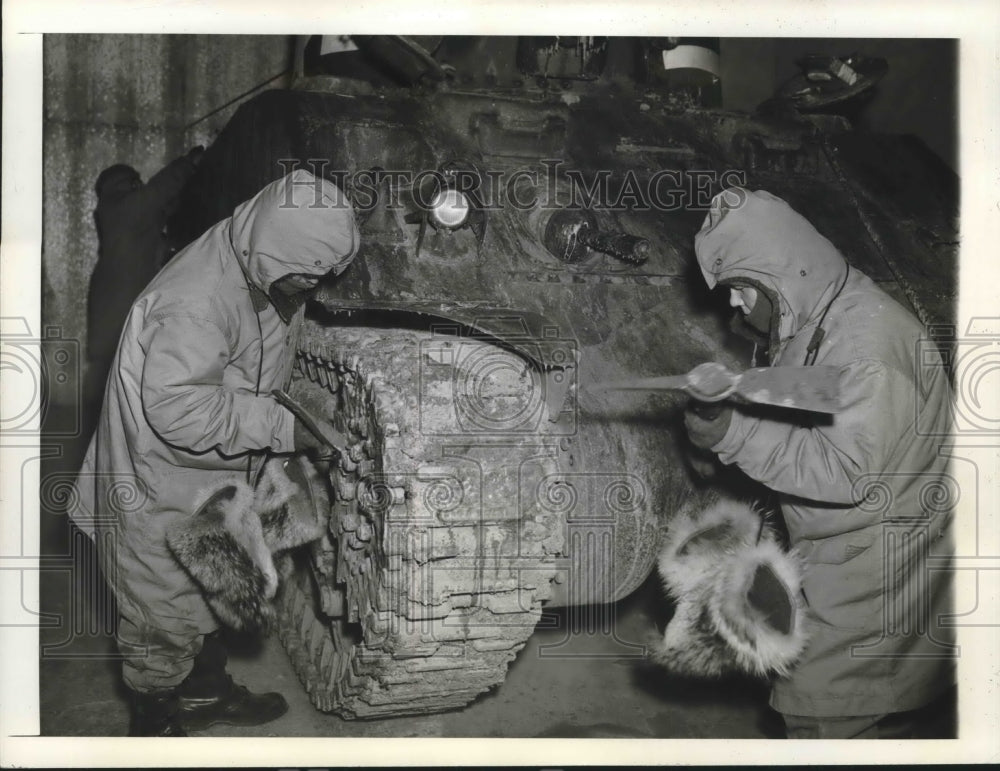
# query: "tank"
527,209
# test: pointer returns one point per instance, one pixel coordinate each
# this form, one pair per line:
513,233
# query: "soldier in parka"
853,490
188,406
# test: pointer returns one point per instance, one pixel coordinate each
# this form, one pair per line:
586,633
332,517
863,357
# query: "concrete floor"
561,685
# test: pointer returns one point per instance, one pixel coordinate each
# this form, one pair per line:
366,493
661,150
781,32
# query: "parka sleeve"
162,189
824,462
186,403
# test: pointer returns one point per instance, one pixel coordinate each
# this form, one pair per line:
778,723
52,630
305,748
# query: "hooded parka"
188,399
865,495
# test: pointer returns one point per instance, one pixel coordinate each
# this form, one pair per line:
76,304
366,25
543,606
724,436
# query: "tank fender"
533,335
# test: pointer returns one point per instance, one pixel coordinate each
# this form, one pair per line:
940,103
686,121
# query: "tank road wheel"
440,549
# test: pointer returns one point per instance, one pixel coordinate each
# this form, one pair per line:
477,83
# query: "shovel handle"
337,442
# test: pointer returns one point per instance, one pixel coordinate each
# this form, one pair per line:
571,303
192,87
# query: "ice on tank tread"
407,681
418,654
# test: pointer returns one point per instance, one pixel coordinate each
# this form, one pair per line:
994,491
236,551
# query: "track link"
440,551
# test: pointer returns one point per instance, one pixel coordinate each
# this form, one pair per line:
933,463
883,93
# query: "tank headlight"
449,209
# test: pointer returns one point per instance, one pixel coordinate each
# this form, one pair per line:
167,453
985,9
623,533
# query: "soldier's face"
289,293
743,297
753,304
296,284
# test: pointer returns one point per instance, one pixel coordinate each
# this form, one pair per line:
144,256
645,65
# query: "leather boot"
209,695
155,714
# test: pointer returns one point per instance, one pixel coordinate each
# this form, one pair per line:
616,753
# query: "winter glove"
307,441
310,432
707,424
704,464
737,593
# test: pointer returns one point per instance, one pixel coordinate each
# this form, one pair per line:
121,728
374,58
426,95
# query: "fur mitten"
739,604
227,545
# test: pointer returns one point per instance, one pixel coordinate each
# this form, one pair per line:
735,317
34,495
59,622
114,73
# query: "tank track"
435,566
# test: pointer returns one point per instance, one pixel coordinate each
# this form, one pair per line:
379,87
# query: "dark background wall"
127,99
919,95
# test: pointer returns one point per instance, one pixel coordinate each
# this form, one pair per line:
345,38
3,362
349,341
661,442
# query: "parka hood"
297,224
755,238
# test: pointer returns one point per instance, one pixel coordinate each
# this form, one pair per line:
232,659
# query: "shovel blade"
815,389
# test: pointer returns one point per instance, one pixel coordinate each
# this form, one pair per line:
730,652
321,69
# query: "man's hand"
307,441
707,425
704,464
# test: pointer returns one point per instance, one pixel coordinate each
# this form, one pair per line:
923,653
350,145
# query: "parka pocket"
843,580
178,490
